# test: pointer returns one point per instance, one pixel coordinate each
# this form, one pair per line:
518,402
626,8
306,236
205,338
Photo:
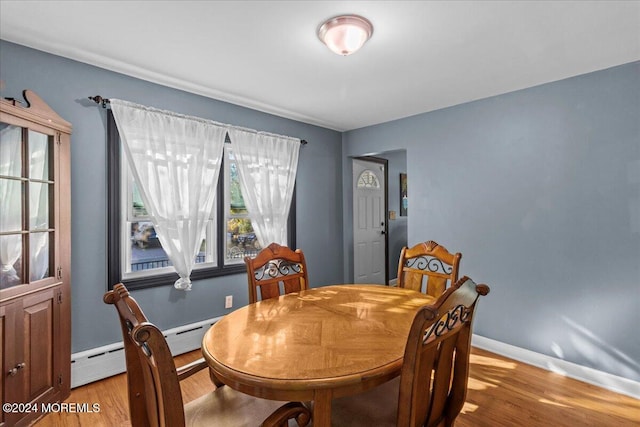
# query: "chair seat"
228,407
376,407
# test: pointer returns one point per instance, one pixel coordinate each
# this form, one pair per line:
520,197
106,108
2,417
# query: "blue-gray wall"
540,191
65,86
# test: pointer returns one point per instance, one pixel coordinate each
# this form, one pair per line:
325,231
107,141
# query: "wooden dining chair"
153,381
276,270
432,386
429,261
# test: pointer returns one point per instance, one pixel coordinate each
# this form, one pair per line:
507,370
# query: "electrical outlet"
228,301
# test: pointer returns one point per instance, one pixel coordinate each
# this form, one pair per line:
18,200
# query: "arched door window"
368,179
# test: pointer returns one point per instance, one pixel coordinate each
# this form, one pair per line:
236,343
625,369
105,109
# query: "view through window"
136,256
241,240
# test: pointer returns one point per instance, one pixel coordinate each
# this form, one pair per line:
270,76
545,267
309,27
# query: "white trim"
105,361
568,369
102,362
143,73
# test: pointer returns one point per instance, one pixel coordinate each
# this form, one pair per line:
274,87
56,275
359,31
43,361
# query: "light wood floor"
502,392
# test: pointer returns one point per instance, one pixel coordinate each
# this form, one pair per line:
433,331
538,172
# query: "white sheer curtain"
175,160
11,211
39,205
267,166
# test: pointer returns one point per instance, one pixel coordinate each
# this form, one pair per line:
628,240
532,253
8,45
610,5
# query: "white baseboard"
102,362
568,369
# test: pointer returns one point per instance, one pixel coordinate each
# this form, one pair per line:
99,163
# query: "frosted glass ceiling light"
345,34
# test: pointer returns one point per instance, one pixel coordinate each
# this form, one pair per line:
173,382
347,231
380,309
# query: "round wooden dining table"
314,345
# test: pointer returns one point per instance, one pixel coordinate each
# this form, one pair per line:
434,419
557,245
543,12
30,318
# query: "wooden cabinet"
35,258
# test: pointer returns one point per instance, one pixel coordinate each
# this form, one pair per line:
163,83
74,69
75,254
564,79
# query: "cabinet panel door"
10,382
3,358
40,320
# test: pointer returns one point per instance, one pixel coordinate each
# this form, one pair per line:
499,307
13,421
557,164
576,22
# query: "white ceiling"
423,56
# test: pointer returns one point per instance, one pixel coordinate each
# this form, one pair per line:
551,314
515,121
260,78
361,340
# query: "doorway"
369,220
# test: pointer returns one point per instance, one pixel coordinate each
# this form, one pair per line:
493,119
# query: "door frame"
385,163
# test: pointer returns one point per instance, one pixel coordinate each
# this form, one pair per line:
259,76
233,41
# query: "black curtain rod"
104,101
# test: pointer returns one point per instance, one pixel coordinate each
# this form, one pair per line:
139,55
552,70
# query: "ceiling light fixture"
345,34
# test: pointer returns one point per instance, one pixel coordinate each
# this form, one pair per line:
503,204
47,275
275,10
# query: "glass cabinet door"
26,201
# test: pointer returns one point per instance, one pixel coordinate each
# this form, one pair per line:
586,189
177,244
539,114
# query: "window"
240,238
368,179
144,255
136,256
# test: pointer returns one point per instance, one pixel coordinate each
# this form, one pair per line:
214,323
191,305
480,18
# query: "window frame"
127,217
114,229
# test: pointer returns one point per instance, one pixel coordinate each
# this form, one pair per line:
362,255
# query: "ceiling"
265,55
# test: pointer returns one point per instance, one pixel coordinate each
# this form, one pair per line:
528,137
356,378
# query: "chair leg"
292,410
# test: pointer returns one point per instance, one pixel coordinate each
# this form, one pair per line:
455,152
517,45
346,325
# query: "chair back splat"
432,386
151,402
276,270
435,370
428,267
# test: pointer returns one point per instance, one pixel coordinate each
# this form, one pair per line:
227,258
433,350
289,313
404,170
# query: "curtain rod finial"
99,100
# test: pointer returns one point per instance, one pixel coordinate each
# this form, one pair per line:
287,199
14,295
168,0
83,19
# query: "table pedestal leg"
322,409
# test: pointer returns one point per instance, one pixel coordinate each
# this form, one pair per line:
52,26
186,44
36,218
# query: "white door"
369,242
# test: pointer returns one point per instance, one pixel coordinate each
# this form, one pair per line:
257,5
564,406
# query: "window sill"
169,279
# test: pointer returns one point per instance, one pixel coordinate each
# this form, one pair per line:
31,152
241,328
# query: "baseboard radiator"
108,360
102,362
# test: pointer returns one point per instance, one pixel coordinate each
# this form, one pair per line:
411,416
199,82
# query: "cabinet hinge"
59,297
59,273
58,138
59,379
